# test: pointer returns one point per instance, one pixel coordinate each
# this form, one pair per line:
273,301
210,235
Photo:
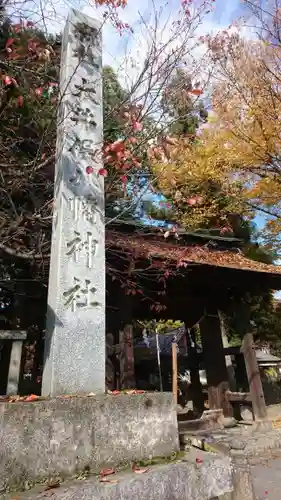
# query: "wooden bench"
17,337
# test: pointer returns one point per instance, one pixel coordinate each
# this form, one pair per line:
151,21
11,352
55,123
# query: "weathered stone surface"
64,436
179,481
75,331
241,477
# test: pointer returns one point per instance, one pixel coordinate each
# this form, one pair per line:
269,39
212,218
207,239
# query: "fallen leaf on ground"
13,399
52,485
66,396
107,472
199,460
31,397
107,480
139,470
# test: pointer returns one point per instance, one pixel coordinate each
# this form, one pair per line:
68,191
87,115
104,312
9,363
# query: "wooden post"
196,387
126,342
126,357
214,358
228,361
14,368
175,372
253,373
17,337
110,370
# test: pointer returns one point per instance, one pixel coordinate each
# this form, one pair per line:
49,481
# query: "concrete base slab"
64,436
185,480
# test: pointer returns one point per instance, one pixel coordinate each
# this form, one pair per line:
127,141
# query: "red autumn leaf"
132,140
107,472
136,162
124,179
139,470
199,460
20,101
9,42
8,80
192,201
38,92
116,146
17,28
32,397
89,170
137,126
196,92
103,172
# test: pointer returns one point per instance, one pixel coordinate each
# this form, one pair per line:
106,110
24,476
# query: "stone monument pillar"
74,359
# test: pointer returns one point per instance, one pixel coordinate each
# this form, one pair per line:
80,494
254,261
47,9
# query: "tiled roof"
141,246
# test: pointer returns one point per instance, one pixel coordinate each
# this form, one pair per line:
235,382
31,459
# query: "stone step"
186,479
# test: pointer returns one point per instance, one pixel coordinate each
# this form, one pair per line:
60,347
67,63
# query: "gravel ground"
267,480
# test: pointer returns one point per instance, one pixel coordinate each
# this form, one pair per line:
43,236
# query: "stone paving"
267,480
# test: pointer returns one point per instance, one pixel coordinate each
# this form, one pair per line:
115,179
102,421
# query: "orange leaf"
196,92
32,397
107,472
139,470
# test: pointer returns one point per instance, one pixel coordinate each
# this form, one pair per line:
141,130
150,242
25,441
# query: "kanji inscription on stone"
75,331
80,295
81,246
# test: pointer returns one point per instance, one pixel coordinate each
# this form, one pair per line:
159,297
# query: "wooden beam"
242,397
13,334
254,379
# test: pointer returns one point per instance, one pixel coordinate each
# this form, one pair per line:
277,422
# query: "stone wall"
65,436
